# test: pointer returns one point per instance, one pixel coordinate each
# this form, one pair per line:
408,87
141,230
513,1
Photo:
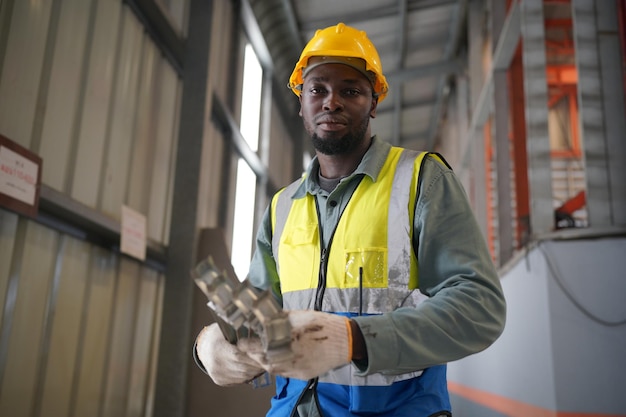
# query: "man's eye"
352,92
317,90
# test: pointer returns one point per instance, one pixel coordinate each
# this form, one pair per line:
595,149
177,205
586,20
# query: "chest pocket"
299,250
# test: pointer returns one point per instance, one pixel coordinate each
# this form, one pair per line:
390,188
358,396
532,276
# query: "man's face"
336,104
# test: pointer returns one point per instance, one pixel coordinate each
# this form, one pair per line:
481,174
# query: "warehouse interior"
175,113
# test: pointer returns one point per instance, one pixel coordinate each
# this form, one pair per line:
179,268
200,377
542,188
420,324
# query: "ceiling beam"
158,26
377,12
446,67
443,89
501,60
408,106
290,17
256,36
505,48
396,126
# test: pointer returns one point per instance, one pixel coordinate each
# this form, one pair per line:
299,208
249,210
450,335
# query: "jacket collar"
370,165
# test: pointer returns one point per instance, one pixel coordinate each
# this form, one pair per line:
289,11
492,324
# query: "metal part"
242,307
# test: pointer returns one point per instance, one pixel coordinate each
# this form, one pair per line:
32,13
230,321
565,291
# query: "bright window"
245,191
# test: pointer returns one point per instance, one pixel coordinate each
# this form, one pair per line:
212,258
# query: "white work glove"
319,342
224,363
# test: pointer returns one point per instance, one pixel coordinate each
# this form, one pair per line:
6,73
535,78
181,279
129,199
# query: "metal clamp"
241,306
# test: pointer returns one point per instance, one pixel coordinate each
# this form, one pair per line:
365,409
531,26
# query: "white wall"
565,338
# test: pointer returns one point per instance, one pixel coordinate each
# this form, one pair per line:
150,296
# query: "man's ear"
300,110
373,108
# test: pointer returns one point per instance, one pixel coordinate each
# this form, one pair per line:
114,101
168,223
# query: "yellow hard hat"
344,42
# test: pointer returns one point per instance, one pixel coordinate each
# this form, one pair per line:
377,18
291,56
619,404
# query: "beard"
340,145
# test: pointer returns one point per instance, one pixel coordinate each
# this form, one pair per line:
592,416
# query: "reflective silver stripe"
283,205
399,226
345,375
375,300
299,300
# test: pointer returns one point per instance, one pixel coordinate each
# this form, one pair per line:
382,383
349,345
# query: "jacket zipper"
321,283
319,294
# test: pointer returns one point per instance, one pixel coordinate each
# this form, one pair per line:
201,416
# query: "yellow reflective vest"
370,266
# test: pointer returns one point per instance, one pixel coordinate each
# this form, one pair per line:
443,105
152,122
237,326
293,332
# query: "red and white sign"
20,176
133,235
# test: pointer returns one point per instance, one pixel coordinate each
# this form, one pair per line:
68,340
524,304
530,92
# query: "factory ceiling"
421,43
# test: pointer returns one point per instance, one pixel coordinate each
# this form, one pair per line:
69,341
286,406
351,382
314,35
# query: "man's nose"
333,102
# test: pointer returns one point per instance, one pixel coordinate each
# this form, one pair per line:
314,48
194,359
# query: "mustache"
329,117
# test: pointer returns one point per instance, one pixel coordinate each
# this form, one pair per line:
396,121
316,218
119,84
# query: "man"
374,253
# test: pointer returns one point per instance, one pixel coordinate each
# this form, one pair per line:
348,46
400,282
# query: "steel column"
503,150
520,165
601,104
174,355
537,139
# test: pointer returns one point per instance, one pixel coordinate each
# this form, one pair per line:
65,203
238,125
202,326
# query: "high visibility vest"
371,265
371,247
369,268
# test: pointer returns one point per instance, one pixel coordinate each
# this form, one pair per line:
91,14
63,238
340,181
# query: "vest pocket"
297,254
374,264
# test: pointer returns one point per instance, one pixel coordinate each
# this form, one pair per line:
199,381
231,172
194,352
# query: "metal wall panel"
8,230
63,91
83,84
25,344
65,320
114,178
21,69
71,331
143,138
92,367
97,103
140,369
154,350
160,176
6,10
122,337
12,234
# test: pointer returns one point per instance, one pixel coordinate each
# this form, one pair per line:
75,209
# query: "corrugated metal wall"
84,330
79,325
84,86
